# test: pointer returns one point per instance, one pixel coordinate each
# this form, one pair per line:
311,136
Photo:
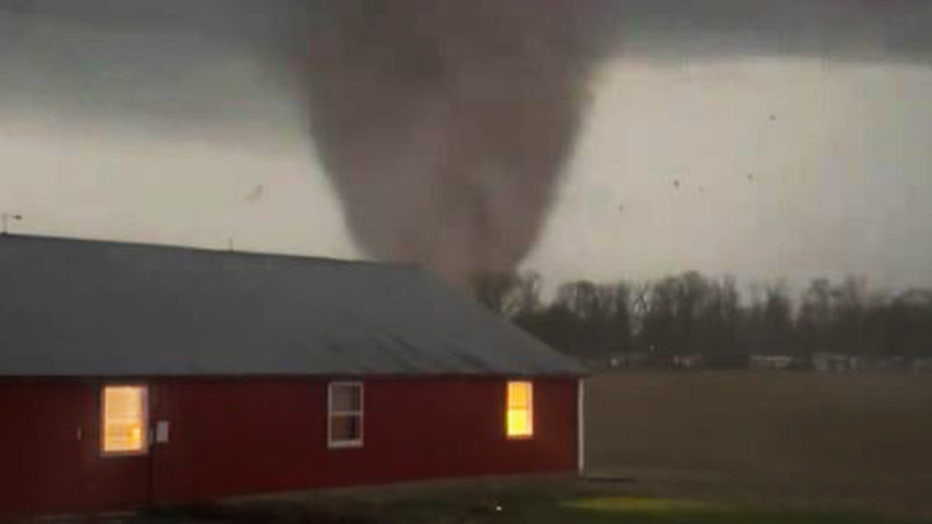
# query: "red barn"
133,375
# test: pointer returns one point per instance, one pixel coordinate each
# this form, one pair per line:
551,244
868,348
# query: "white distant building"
921,364
841,362
771,361
687,361
838,362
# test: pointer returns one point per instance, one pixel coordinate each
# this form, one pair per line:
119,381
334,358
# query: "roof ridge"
131,244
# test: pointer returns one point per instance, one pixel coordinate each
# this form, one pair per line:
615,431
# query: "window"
345,415
519,419
124,420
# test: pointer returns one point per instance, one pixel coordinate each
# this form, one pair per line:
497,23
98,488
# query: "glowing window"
124,425
519,419
344,426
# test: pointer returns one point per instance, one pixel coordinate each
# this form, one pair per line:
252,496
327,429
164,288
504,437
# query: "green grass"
599,510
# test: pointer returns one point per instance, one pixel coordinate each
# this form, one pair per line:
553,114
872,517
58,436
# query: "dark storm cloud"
182,64
888,30
444,124
158,58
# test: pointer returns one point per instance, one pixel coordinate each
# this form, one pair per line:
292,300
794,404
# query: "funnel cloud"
445,124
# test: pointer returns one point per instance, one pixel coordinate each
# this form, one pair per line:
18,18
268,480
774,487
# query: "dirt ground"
797,438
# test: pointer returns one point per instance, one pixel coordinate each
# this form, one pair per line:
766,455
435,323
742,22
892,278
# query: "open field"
846,440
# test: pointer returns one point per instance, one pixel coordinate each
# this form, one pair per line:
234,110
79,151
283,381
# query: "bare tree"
815,316
691,313
509,294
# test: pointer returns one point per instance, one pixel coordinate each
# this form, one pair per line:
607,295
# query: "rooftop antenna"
6,220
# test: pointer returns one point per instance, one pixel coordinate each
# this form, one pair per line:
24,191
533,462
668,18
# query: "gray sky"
155,122
838,156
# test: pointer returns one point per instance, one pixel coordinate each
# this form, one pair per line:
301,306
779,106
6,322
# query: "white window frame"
354,443
144,449
530,409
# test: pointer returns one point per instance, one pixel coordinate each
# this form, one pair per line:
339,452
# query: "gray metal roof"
82,308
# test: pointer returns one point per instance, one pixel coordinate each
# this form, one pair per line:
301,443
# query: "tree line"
692,313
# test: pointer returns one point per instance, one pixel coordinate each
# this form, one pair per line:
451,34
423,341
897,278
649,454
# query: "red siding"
232,437
47,466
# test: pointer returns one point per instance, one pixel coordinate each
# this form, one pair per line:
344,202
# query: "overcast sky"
707,147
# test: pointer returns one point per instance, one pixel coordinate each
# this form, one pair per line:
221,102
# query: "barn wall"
231,438
252,436
49,452
38,462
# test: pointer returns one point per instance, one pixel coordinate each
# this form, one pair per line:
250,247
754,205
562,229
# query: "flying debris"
256,193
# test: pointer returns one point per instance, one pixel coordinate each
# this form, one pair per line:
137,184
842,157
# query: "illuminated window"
519,419
124,425
345,415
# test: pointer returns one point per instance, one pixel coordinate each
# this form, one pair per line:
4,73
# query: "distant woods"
692,314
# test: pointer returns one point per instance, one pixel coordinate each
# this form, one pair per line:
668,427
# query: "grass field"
614,509
510,505
618,509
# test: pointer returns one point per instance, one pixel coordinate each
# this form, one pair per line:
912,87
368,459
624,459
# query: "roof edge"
16,237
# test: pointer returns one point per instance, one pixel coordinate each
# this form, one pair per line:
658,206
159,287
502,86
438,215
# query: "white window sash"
331,414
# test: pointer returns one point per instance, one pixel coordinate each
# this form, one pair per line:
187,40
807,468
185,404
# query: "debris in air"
256,193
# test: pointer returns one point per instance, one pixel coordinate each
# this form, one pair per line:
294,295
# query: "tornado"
445,124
